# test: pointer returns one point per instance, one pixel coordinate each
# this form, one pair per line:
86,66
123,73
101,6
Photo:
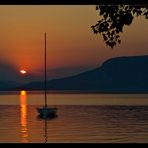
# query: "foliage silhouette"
114,18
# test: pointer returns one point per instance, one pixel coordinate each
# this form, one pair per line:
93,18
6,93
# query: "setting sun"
23,71
23,93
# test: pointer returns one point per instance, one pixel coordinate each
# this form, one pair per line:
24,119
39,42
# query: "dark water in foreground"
99,118
75,124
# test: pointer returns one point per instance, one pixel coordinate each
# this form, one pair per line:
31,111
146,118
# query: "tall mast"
45,76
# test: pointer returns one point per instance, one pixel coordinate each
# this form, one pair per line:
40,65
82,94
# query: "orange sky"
71,43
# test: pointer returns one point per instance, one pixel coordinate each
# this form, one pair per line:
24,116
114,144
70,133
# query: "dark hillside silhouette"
117,75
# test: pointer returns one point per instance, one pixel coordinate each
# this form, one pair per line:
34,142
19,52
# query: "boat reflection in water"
45,123
46,138
23,116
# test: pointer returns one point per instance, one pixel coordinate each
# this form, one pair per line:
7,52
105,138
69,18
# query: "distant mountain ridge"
121,74
8,85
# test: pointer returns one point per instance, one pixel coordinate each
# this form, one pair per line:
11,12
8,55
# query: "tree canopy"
114,18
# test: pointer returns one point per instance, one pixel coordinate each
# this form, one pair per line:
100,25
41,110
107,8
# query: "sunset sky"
72,47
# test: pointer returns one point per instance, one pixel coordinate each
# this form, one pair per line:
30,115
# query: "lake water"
87,118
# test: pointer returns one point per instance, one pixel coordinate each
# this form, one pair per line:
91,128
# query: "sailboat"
45,111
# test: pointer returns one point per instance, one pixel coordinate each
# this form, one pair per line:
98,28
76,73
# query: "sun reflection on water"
23,114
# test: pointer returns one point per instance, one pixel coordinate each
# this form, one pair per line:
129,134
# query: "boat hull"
47,112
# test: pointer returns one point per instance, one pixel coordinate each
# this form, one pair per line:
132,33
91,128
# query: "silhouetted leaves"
113,20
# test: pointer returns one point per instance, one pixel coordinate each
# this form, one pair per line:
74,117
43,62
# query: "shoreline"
9,92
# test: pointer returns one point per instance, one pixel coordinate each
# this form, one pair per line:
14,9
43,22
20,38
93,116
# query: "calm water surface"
81,118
